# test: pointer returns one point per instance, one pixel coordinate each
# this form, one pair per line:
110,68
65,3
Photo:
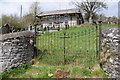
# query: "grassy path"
41,70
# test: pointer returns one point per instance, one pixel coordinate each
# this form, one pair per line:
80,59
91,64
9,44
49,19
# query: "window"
50,20
78,19
66,19
58,19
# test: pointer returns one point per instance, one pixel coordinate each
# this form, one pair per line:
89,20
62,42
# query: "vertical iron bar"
51,43
68,45
79,51
89,40
79,42
100,36
35,41
40,41
85,60
75,46
57,41
48,42
64,49
82,41
97,40
71,43
85,41
76,43
62,46
92,41
72,37
59,47
54,43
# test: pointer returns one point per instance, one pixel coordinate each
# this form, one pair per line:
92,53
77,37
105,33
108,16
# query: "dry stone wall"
15,49
110,57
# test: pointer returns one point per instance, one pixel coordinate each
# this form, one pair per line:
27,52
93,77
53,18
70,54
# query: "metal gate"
67,47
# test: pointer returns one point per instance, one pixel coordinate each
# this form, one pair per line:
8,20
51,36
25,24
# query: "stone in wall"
14,51
110,57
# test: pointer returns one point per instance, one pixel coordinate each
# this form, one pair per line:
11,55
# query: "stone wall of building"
110,56
15,49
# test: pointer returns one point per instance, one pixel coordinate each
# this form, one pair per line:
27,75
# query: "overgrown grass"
42,70
104,26
80,46
79,62
14,72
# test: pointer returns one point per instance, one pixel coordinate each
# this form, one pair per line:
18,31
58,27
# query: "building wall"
72,22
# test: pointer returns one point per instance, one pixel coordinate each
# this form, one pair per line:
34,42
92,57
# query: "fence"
80,47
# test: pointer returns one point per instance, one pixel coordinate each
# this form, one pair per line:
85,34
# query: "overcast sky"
8,7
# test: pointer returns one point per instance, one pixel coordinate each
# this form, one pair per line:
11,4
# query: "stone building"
61,18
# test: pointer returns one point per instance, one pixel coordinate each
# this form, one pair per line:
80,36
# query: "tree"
35,10
90,7
12,20
114,20
15,21
27,19
5,19
103,18
94,17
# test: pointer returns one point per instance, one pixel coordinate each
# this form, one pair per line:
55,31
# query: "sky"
8,7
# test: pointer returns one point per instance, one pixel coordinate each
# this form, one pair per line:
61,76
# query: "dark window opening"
79,21
50,20
66,19
58,19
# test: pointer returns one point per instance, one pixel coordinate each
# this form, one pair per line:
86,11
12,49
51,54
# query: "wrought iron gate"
70,48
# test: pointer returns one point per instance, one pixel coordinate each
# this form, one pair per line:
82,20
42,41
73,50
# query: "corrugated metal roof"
66,11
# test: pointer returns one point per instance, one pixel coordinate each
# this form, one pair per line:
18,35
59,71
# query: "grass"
14,72
80,47
41,70
104,26
82,64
